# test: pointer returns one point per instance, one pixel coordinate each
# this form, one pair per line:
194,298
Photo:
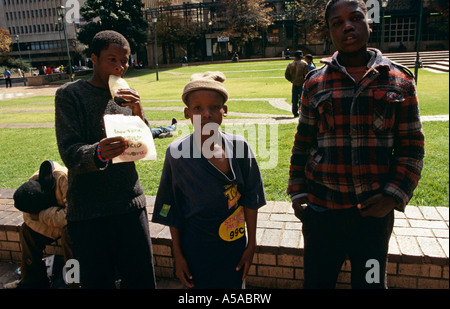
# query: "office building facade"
37,32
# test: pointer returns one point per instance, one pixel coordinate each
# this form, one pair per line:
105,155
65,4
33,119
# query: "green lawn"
23,149
246,80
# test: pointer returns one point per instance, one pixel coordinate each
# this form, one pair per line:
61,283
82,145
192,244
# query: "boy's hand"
133,101
182,271
246,260
299,205
111,147
378,206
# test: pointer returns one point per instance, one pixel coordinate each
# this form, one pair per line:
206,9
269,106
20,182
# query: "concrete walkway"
239,118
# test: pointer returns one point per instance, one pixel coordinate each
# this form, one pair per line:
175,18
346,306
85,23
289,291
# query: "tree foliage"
175,31
123,16
309,14
5,47
244,19
5,41
440,6
173,28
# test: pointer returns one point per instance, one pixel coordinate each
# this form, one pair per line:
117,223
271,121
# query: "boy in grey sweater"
107,218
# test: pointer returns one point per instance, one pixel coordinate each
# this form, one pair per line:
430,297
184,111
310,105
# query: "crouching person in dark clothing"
43,202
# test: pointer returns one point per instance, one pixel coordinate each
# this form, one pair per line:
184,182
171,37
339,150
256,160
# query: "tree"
441,20
177,32
5,41
309,15
5,47
123,16
244,19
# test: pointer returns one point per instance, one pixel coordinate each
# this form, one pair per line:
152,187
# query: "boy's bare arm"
251,216
181,266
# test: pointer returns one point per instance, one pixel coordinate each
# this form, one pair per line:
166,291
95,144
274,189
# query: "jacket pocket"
384,105
312,164
323,103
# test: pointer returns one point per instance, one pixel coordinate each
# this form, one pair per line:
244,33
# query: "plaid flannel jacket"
354,140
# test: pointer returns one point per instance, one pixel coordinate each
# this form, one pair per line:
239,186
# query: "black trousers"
33,269
114,247
8,82
296,96
332,236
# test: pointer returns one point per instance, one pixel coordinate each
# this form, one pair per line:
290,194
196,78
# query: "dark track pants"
332,236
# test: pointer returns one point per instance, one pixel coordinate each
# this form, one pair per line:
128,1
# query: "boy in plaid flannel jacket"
357,154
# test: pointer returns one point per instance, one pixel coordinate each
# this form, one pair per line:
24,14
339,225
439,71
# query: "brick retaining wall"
418,253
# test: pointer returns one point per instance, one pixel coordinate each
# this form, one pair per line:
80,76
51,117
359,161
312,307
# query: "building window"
273,37
400,29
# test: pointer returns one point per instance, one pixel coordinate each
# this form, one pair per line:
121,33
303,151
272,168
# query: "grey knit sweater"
95,189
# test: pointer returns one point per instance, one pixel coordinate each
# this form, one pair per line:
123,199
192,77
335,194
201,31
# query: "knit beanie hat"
206,81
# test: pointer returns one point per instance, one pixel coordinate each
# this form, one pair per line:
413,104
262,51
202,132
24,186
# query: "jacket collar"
375,62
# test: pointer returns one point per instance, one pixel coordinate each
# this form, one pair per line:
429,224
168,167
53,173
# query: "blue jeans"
158,130
296,95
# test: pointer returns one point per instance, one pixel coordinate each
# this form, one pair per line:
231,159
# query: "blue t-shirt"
207,207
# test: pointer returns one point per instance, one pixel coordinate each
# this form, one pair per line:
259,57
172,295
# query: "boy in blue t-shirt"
210,189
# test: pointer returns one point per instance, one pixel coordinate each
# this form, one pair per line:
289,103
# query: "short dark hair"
102,40
331,3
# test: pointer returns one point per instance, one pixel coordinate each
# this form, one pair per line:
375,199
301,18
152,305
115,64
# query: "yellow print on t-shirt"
233,227
233,195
